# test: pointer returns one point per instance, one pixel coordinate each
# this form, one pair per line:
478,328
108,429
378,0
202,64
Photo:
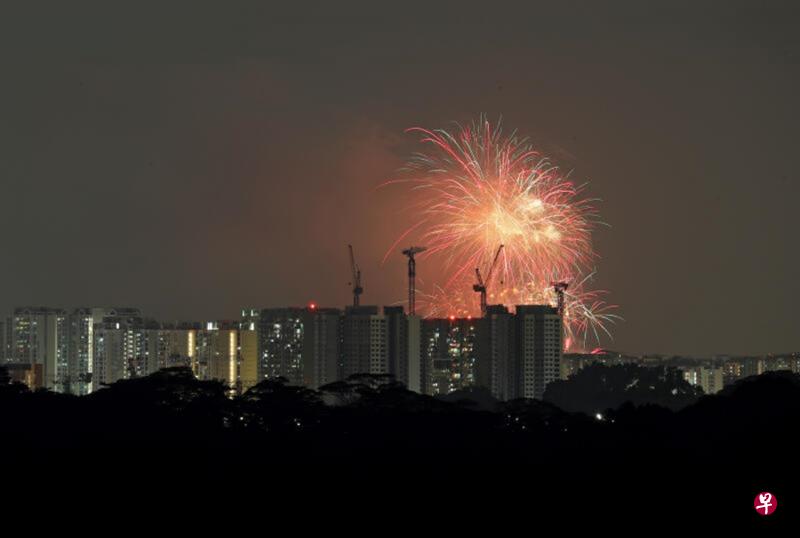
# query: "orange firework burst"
477,189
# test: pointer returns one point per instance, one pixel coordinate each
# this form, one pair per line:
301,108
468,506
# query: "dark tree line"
597,388
174,409
655,432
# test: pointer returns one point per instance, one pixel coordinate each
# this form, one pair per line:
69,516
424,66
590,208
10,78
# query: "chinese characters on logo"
765,503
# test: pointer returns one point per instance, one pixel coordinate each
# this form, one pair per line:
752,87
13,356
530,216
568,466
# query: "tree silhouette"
170,426
274,406
9,387
597,388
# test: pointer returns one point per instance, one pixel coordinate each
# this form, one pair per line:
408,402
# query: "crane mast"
560,288
356,283
410,252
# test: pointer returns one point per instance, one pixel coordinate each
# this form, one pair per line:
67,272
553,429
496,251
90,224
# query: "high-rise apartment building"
280,344
497,364
248,356
81,325
415,370
125,347
520,353
450,354
397,348
5,340
321,355
365,345
404,348
539,348
356,343
39,339
178,345
119,350
218,353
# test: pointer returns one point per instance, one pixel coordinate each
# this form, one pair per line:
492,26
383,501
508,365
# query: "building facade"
2,341
364,343
217,353
496,368
539,348
39,339
248,357
280,344
519,354
322,346
450,354
81,325
121,350
710,379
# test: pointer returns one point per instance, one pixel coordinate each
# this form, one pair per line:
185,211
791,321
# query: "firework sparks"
476,189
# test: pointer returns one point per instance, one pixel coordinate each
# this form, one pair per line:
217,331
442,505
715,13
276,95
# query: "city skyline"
196,176
245,314
505,354
84,350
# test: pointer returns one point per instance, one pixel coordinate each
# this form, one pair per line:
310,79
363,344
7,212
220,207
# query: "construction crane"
356,283
560,287
480,287
412,274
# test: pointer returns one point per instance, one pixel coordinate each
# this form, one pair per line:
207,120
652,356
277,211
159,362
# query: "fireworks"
475,189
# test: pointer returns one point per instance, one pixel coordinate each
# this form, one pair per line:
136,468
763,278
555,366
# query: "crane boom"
494,264
480,287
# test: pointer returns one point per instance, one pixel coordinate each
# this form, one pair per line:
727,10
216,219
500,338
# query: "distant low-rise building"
752,366
711,380
26,373
732,371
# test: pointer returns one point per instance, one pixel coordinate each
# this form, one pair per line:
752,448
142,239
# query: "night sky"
193,159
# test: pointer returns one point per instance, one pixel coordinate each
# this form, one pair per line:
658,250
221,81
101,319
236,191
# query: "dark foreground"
383,459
